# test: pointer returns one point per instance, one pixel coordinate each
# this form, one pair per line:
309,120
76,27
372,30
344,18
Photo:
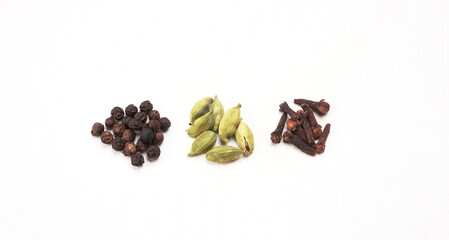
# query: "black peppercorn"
126,120
135,124
165,124
147,135
146,107
107,137
154,114
153,153
118,144
117,113
141,116
141,145
97,129
131,110
118,129
109,123
130,149
137,160
129,135
158,138
154,124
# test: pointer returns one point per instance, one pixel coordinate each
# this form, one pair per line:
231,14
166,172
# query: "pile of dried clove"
303,129
125,128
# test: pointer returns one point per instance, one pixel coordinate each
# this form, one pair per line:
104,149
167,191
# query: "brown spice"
320,107
276,135
289,137
321,145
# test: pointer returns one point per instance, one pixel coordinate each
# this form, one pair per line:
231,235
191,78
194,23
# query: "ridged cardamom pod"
200,108
245,138
218,112
203,143
229,123
201,124
224,154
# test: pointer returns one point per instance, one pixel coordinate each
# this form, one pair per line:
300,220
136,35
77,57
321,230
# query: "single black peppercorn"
107,137
154,114
147,135
137,160
109,123
117,113
165,124
131,110
130,149
141,116
146,107
126,120
141,145
154,124
135,124
129,135
97,129
118,129
153,153
158,138
118,144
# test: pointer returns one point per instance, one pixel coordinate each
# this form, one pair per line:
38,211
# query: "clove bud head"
292,123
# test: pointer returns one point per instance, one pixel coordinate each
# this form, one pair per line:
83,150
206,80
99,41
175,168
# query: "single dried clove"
306,125
321,145
316,128
283,107
289,137
320,107
276,135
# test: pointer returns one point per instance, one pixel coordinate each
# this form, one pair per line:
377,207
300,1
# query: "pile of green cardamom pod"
207,118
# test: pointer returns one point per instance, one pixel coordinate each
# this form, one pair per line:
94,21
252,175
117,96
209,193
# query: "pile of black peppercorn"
126,127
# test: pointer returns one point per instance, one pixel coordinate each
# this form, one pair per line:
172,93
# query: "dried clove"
283,107
289,137
276,135
302,134
321,145
316,128
306,125
292,123
320,107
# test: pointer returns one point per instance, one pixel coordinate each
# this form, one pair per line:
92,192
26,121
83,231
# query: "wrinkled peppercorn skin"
154,124
165,124
137,160
129,135
125,121
135,124
154,114
131,110
117,113
118,129
153,153
118,144
146,107
97,129
141,116
141,146
158,138
129,149
107,137
109,123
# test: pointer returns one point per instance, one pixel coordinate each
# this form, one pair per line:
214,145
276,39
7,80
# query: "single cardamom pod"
229,123
245,138
203,143
218,112
199,109
224,154
201,124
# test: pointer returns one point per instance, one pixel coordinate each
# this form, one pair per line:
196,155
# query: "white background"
382,65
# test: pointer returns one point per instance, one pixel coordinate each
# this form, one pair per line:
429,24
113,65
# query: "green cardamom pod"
229,123
200,108
218,112
245,138
203,143
224,154
201,124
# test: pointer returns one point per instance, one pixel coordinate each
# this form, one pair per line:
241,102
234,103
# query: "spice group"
126,129
303,132
207,118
